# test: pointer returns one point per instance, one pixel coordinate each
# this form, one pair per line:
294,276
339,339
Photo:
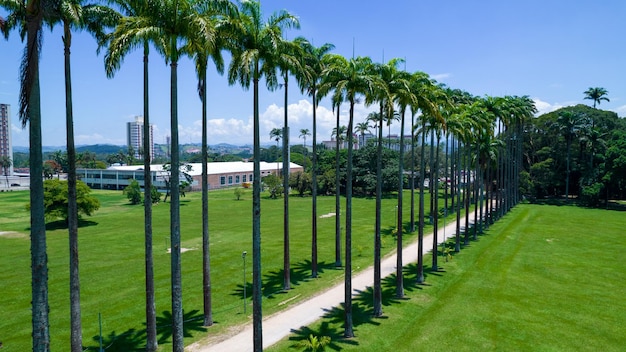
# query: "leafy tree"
155,195
133,192
56,199
597,94
301,182
569,123
273,184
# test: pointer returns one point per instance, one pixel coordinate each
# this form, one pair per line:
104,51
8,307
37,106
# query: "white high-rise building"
6,146
134,133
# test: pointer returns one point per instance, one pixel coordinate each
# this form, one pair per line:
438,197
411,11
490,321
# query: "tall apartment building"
6,147
134,133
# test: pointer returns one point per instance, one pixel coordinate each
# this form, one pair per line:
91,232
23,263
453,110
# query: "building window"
250,177
222,180
230,180
244,178
237,179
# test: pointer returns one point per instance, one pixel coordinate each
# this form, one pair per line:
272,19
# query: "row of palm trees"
202,30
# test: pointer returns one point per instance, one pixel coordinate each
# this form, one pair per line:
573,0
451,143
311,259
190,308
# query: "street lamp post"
243,256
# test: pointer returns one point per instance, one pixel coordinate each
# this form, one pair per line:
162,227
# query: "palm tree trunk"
420,235
399,226
206,257
286,266
433,197
348,332
466,195
177,296
151,337
314,192
257,313
337,200
378,295
412,226
457,239
76,338
39,257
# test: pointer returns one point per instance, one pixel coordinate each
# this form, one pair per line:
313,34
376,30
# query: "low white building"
220,174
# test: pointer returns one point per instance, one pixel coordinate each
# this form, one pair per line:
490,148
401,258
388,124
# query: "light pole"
243,256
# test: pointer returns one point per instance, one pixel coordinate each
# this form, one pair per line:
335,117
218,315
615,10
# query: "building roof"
213,167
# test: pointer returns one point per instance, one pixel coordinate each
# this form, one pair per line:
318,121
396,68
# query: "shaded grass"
544,278
111,246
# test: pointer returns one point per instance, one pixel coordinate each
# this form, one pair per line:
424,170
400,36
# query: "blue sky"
550,50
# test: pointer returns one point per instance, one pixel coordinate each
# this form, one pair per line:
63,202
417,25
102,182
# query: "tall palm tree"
30,16
287,62
304,132
382,94
350,77
389,117
202,49
130,33
597,94
337,131
314,60
76,15
340,135
254,46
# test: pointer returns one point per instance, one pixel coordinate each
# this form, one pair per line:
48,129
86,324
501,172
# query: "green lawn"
545,278
111,245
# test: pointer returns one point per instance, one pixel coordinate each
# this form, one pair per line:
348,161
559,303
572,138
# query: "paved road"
280,325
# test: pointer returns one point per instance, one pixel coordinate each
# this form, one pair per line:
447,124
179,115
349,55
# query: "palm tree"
5,164
304,132
254,46
201,50
276,134
596,94
389,117
287,61
31,15
337,131
170,24
130,34
361,128
351,78
75,15
314,60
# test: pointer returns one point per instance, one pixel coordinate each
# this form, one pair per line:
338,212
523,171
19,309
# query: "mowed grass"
544,278
111,252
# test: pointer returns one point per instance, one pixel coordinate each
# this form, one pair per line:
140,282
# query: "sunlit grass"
111,246
544,278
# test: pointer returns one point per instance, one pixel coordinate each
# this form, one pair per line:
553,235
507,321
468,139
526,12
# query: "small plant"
314,343
239,193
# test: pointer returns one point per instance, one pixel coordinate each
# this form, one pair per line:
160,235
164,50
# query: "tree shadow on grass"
273,281
335,334
62,224
129,340
135,340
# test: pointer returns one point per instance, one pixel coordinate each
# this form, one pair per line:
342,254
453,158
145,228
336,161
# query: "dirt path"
281,324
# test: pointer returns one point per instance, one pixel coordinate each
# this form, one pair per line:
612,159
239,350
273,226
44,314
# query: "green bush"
133,192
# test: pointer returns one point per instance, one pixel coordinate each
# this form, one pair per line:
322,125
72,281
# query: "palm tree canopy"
256,44
596,94
313,60
276,134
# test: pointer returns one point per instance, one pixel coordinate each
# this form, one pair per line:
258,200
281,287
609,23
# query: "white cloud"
441,76
621,110
96,138
544,107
